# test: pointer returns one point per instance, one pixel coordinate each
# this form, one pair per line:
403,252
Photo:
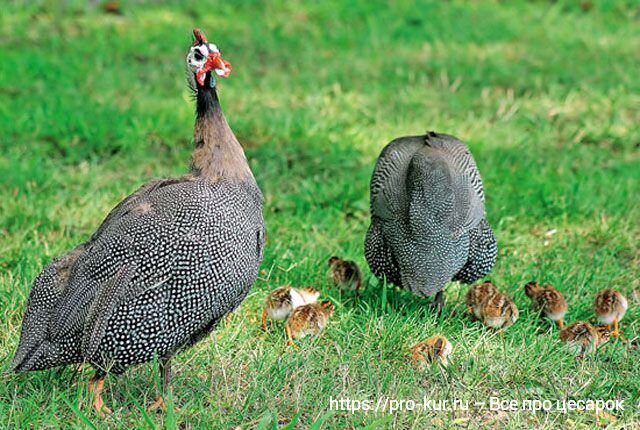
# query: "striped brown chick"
548,301
308,319
478,295
345,273
436,349
499,312
282,301
583,338
610,306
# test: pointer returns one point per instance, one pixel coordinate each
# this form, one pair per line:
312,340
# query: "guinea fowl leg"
290,337
264,320
616,329
165,374
438,302
96,386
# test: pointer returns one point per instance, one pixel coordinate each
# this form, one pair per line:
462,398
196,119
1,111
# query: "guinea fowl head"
532,289
203,58
217,154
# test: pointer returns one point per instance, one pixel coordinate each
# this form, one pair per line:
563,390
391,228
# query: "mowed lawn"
546,94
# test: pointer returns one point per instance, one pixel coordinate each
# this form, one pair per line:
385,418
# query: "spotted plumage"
499,312
427,215
164,267
478,295
308,319
583,338
345,273
610,307
436,349
548,301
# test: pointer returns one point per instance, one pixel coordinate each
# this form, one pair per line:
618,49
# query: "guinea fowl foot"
290,341
616,329
96,386
158,404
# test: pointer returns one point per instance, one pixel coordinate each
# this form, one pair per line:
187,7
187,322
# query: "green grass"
546,94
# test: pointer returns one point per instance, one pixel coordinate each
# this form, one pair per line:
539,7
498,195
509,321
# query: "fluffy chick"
436,349
584,338
499,312
478,295
282,301
308,320
610,306
548,301
345,273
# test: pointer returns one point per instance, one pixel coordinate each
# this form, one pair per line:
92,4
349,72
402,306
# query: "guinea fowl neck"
217,153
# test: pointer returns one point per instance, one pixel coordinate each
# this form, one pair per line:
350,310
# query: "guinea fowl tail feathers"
38,357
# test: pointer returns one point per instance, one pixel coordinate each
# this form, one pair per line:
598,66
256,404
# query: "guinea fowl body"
478,295
166,265
548,301
345,273
428,224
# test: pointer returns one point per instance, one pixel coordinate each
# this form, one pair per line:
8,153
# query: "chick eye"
198,55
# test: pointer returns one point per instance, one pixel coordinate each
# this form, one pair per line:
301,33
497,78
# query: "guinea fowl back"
427,215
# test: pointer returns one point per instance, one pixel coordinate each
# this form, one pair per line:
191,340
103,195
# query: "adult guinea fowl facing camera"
428,224
166,265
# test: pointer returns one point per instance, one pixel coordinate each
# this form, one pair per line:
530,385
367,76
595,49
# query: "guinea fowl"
282,301
610,307
166,265
428,222
548,301
345,273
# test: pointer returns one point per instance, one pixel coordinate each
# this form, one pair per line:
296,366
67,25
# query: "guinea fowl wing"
166,271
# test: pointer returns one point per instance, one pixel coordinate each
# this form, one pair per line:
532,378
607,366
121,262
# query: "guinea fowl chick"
610,306
308,319
282,301
436,349
345,273
583,337
548,301
478,295
499,312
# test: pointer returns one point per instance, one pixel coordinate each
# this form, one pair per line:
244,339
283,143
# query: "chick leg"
165,374
264,320
96,386
561,323
616,329
289,337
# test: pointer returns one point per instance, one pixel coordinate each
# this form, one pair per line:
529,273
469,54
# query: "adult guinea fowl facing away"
166,265
427,216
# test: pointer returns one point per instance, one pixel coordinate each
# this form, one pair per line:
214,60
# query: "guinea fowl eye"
198,55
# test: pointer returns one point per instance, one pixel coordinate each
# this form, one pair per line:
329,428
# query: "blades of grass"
294,421
80,415
317,425
269,421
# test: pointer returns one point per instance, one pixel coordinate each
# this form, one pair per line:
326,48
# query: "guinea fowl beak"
216,63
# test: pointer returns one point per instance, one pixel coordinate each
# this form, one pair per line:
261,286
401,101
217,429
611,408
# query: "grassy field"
546,94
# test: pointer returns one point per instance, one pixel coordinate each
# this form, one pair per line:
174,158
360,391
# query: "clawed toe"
158,404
